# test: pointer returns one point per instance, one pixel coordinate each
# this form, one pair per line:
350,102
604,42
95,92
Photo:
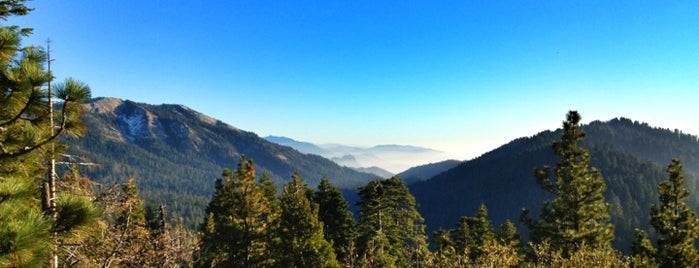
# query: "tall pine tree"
29,229
675,222
236,231
578,214
340,227
302,243
472,234
390,227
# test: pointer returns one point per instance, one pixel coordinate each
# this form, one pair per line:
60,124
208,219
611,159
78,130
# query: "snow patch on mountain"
134,124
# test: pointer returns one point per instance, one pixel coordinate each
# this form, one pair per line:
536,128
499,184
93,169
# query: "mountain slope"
177,153
427,171
630,155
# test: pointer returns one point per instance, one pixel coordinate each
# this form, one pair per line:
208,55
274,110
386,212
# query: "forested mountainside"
632,157
176,153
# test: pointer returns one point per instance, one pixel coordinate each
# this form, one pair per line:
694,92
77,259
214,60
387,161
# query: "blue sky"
459,76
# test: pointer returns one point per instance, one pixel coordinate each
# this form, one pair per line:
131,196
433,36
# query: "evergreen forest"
253,218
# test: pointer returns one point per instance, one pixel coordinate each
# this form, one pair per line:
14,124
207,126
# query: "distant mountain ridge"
177,153
427,171
304,147
392,158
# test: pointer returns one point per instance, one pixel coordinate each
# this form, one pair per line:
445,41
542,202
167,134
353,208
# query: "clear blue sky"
459,76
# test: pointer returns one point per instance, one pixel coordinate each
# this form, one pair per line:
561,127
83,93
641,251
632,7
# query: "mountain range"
176,154
383,160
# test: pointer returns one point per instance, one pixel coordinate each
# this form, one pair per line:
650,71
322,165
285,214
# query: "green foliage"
473,233
28,129
642,250
481,232
13,7
390,227
578,214
75,213
584,256
237,233
507,235
475,243
24,230
445,254
674,222
302,243
339,225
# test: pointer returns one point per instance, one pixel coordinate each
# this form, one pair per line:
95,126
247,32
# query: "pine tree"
339,225
578,214
237,230
463,237
507,235
271,236
442,240
302,243
377,252
28,230
473,233
674,222
387,209
481,232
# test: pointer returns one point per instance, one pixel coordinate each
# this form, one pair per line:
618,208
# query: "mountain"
380,172
304,147
631,156
176,153
391,157
347,160
427,171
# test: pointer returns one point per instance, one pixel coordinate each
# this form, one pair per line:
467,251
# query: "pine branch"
23,111
27,149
